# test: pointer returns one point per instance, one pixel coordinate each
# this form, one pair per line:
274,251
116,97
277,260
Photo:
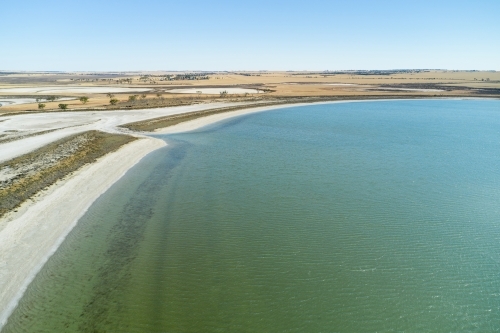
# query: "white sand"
30,237
16,101
70,90
198,123
213,91
67,123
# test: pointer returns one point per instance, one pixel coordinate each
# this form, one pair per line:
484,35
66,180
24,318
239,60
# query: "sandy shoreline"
30,236
208,120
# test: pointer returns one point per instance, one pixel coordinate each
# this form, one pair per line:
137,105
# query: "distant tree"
132,98
110,95
223,93
113,101
84,99
41,106
51,98
63,106
38,100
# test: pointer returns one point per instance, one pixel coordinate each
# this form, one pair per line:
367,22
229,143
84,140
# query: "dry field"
151,89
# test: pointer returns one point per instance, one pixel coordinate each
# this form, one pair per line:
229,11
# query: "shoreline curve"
27,240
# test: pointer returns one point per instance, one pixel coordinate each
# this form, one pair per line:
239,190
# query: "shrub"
63,106
41,106
113,101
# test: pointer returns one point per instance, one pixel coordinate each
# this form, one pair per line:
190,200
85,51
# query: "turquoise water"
355,217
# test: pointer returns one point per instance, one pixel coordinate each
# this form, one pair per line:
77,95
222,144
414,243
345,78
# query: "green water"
354,217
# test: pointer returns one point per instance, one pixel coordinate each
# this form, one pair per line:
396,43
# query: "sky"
125,35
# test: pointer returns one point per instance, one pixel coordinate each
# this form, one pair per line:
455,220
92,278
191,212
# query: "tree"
63,106
84,99
41,106
51,98
113,101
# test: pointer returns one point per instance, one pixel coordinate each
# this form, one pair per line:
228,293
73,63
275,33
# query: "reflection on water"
362,217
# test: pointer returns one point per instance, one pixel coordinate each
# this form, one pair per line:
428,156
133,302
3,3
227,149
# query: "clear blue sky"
105,35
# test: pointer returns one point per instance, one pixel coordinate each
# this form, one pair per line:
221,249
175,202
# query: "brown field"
272,86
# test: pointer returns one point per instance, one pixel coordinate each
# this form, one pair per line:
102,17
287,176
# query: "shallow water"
354,217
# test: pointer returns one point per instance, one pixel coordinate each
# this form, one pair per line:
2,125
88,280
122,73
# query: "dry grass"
277,85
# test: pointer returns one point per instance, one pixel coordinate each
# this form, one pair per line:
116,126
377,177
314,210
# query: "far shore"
30,235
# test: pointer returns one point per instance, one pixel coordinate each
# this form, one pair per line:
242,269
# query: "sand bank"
62,124
17,101
209,120
31,235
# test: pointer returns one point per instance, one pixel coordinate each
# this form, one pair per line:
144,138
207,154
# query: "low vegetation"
24,176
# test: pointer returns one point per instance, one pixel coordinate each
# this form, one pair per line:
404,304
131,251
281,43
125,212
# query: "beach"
32,233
